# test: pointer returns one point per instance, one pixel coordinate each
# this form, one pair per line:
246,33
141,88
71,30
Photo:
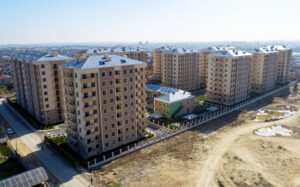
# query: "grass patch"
113,184
201,98
36,124
171,126
60,145
4,151
149,136
8,166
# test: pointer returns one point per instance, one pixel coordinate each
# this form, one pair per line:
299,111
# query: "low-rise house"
175,104
156,90
5,80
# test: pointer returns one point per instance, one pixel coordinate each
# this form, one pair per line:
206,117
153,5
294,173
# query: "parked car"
9,131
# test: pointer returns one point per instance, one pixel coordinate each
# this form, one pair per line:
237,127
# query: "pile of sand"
273,131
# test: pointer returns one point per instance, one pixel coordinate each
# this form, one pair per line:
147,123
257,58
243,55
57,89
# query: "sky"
74,21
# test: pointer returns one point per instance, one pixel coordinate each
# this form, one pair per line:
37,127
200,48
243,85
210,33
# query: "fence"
93,164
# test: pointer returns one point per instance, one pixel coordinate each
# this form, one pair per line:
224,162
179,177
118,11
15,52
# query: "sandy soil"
224,152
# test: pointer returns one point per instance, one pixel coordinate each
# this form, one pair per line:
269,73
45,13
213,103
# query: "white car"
9,131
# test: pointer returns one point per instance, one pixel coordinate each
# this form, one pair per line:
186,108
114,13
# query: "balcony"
87,79
88,99
89,107
90,117
71,122
90,126
88,89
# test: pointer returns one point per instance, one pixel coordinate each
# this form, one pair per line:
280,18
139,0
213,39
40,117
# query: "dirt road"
223,152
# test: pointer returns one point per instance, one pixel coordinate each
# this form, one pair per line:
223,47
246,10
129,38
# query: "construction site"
255,146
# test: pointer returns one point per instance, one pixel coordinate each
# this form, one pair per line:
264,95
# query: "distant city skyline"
33,22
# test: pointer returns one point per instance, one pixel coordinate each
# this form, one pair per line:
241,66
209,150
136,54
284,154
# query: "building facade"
203,63
104,102
263,70
129,52
284,61
177,67
37,80
228,76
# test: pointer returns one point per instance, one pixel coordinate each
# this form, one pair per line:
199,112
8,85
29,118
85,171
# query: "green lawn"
4,151
10,166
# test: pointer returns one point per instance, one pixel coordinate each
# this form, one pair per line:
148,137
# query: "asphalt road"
64,172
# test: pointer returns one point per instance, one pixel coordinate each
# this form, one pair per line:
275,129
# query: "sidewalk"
65,173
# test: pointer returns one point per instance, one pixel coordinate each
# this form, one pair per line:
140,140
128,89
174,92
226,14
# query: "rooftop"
101,61
161,89
168,49
175,96
3,76
276,47
264,50
114,50
218,48
41,57
231,52
28,178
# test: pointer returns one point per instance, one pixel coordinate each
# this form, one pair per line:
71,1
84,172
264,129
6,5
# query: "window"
111,82
43,66
93,84
47,106
104,102
111,100
43,73
110,73
45,93
92,75
103,74
44,79
93,93
104,92
46,99
105,110
131,70
44,86
103,83
111,91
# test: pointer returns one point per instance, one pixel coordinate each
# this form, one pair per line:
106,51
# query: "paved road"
64,172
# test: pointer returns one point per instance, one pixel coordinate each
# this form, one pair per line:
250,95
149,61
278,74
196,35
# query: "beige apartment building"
104,102
203,63
228,76
129,52
284,61
37,78
177,67
263,69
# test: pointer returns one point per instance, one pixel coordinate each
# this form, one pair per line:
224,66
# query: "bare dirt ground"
224,152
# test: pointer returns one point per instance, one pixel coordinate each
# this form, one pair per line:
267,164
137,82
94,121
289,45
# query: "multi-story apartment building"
129,52
263,69
104,102
37,83
203,63
284,61
177,67
228,76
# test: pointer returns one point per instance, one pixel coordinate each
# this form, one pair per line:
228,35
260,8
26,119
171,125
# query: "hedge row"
60,145
36,124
